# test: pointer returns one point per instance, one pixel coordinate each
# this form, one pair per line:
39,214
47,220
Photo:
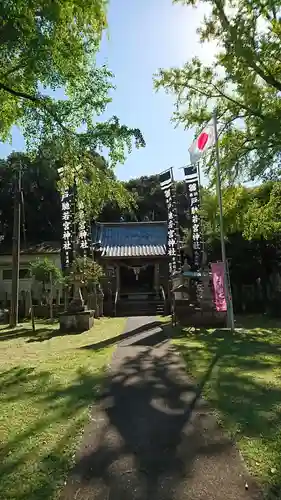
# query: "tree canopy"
255,212
41,198
48,46
243,83
45,270
85,272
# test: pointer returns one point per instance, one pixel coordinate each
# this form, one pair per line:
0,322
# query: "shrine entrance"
137,279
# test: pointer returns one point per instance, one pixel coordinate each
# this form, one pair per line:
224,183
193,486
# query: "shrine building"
136,266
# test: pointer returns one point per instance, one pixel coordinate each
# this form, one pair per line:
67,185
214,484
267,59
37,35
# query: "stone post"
77,304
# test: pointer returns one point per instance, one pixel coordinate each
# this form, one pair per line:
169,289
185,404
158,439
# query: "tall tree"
255,212
49,45
243,82
149,202
41,198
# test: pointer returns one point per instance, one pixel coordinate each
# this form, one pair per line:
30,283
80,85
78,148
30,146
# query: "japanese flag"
204,141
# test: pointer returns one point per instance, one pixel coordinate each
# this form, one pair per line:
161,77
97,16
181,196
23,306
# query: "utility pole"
16,253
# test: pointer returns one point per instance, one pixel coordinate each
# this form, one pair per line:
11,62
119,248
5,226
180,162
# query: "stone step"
127,314
135,303
140,308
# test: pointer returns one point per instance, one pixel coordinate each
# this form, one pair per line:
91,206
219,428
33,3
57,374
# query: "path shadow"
153,431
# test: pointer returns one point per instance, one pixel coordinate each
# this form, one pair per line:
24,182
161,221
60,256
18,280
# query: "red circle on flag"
202,140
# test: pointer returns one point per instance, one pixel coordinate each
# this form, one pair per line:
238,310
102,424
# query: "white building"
51,250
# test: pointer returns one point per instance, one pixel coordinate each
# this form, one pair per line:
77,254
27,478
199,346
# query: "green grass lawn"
241,378
47,382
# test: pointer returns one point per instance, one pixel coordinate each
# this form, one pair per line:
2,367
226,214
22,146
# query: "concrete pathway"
153,437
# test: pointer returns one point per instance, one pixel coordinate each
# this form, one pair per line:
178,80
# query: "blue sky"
145,35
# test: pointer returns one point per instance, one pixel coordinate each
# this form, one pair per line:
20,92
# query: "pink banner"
218,284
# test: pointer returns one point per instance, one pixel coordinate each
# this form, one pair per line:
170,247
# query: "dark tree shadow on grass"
260,321
23,332
114,339
60,405
249,403
42,334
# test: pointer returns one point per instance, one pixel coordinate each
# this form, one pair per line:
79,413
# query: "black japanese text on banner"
83,230
67,227
173,246
192,189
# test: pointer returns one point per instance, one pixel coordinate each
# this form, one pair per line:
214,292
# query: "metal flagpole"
229,305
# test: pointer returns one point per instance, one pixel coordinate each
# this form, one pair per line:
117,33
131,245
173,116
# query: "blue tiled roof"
132,239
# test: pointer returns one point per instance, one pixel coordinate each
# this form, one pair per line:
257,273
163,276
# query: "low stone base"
188,315
71,322
203,319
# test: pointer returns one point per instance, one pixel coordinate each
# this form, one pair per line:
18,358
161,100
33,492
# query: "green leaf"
52,44
243,83
44,270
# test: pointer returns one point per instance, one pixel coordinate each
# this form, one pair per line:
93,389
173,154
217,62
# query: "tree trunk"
66,298
51,299
31,306
96,301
